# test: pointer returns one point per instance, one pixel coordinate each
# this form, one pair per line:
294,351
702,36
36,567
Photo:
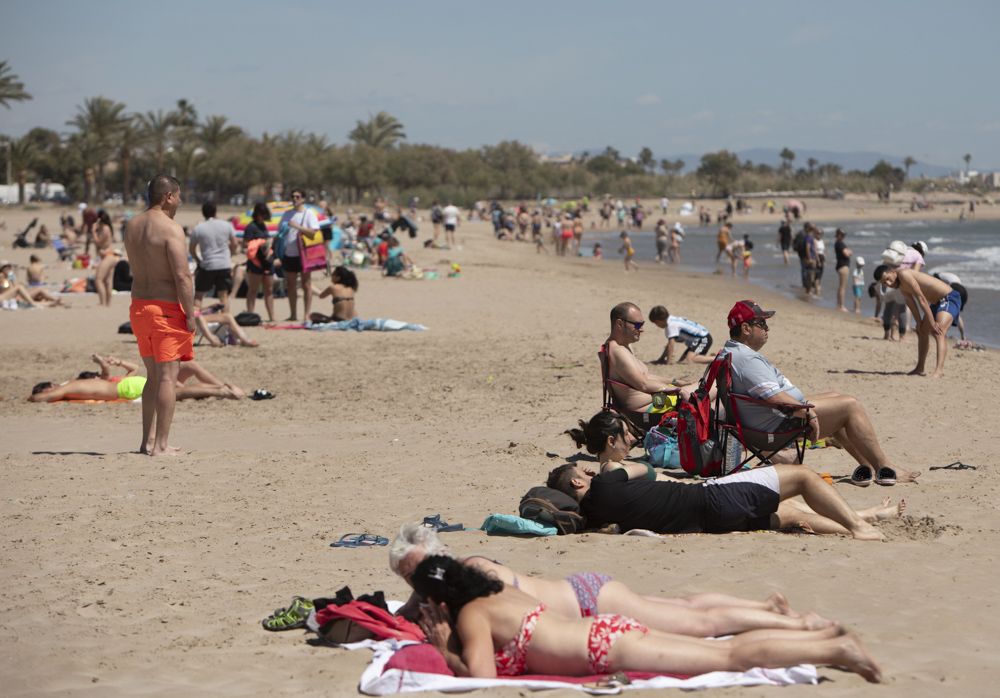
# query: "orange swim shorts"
161,329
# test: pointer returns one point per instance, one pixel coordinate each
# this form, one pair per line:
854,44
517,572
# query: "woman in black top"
259,269
844,255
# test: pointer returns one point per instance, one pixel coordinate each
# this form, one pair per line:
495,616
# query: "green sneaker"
289,618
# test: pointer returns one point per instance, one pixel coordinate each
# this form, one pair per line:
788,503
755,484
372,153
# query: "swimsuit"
951,304
587,587
512,658
604,632
130,387
160,328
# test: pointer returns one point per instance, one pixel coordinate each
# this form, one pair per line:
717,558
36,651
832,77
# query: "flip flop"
862,476
261,394
440,526
359,540
886,476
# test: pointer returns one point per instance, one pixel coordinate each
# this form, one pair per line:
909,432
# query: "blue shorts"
951,304
858,290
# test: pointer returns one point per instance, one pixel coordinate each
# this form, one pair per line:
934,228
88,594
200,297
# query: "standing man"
785,237
216,240
162,310
935,306
844,255
450,214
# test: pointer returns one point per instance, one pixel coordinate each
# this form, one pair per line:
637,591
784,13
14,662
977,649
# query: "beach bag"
698,439
554,508
312,251
662,449
248,319
281,239
799,242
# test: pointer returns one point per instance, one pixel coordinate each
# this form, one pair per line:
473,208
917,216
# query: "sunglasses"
296,196
637,325
762,324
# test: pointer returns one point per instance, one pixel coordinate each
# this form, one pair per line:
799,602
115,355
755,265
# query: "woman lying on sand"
587,594
103,386
502,631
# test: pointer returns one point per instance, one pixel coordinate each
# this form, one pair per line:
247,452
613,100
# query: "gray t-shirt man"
212,237
757,377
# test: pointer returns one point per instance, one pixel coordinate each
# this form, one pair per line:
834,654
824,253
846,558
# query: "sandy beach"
124,575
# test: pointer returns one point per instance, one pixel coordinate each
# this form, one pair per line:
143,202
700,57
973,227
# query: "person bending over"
679,330
485,628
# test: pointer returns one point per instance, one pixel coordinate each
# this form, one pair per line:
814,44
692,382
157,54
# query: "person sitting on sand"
107,388
632,385
11,290
759,499
679,330
343,287
934,304
35,271
588,594
502,631
216,313
831,414
396,261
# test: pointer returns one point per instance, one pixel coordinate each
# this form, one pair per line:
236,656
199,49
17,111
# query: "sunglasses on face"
762,324
637,325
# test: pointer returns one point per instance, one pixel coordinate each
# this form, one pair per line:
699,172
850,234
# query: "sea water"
969,249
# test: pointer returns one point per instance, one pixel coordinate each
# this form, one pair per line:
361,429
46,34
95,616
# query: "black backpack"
554,508
247,319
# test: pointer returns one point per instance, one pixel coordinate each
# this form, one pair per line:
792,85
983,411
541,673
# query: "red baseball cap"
745,311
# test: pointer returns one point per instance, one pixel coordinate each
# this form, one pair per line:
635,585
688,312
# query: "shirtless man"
633,388
934,304
108,388
162,310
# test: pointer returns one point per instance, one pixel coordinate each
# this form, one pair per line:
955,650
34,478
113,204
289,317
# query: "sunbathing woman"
502,631
105,387
588,594
343,287
10,289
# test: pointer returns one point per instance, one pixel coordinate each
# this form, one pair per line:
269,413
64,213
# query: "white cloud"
648,99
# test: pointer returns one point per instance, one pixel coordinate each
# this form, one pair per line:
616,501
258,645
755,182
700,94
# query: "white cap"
678,227
82,205
860,261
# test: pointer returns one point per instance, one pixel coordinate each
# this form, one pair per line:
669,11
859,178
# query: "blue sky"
901,77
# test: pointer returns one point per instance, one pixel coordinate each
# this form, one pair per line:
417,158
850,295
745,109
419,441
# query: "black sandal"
862,476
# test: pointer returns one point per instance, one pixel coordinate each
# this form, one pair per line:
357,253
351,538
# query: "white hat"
82,205
860,261
678,227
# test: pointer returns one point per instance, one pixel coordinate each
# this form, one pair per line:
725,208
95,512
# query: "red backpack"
698,437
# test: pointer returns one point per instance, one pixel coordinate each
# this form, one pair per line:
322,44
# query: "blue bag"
661,449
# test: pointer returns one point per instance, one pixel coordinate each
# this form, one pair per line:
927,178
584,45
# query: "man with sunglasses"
832,414
632,385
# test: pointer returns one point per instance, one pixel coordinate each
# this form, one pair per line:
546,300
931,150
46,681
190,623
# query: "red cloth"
377,620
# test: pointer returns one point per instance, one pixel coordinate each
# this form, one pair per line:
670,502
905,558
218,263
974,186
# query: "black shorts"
696,345
292,264
744,501
449,227
266,270
217,280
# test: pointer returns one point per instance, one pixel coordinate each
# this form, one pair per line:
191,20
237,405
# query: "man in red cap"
833,414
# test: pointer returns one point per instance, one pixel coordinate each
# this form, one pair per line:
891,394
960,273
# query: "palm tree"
131,137
185,115
215,132
380,131
968,159
22,153
156,127
102,120
908,162
787,157
811,163
11,89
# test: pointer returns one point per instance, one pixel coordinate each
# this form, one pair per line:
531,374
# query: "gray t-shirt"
757,377
212,237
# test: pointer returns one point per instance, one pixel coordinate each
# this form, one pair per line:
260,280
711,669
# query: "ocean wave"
936,240
984,257
865,233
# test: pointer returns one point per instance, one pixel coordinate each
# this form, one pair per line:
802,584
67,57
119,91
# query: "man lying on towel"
104,387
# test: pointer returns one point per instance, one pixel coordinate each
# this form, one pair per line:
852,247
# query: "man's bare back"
157,254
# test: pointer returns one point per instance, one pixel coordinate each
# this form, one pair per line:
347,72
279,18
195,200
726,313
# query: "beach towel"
506,524
406,667
359,325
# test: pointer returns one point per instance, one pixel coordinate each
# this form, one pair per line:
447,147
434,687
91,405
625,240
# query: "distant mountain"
860,160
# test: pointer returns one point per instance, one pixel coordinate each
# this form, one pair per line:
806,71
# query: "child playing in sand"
858,282
628,251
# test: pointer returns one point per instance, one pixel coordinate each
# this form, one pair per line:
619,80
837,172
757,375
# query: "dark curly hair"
594,434
444,579
344,276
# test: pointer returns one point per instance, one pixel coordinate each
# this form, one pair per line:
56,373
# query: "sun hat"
860,261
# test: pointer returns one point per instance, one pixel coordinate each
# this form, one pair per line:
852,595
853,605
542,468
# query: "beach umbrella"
280,210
